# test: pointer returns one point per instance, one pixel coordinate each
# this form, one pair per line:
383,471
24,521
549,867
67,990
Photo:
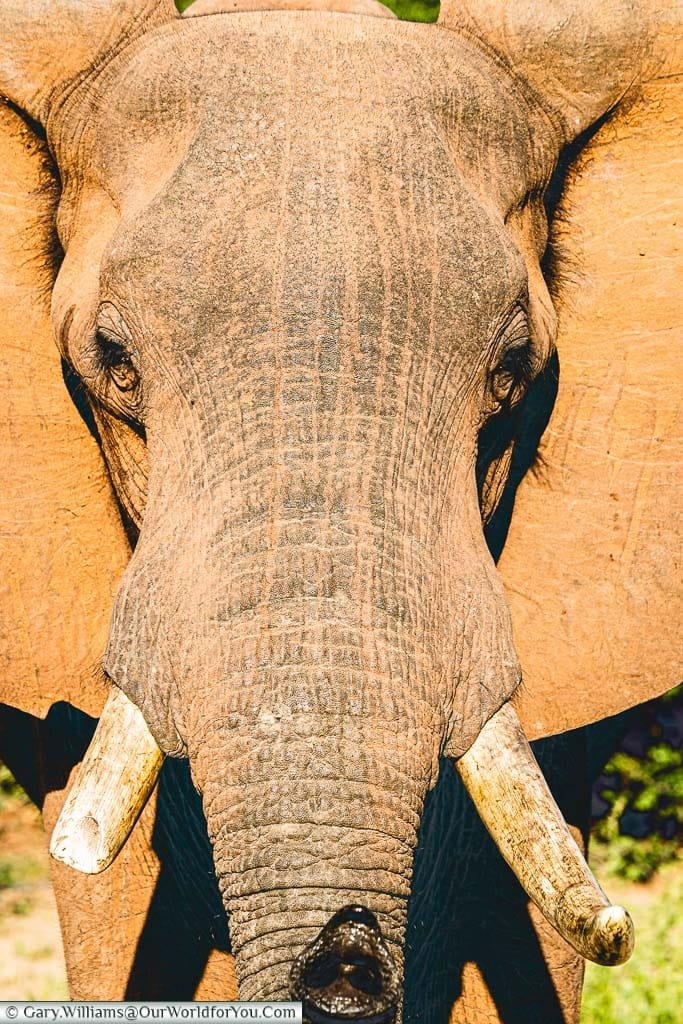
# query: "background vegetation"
31,957
407,10
638,799
637,852
649,988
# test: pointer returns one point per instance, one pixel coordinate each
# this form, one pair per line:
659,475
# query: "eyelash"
116,363
512,376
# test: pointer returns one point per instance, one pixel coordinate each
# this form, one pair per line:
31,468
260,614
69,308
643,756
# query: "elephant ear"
61,541
62,547
61,544
592,561
47,44
578,56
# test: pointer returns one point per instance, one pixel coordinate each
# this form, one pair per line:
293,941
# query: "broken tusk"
512,797
111,787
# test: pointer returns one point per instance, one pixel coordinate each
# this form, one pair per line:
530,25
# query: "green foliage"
21,907
9,789
406,10
17,870
649,988
7,875
639,797
414,10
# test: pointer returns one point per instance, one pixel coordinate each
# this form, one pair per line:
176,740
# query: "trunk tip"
347,973
610,936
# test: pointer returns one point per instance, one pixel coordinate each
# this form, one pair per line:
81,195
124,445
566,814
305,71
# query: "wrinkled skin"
313,321
297,286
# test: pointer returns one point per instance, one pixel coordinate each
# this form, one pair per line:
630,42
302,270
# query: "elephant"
299,503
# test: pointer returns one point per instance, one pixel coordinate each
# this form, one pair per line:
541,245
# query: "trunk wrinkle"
381,833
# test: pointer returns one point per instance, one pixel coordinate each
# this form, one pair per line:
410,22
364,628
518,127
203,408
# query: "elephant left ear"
46,44
592,560
578,56
62,545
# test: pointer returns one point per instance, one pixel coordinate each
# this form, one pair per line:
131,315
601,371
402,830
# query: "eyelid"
111,325
511,370
111,344
517,326
513,337
109,336
120,379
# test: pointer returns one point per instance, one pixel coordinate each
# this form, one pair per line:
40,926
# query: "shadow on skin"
41,752
466,904
450,922
524,427
185,919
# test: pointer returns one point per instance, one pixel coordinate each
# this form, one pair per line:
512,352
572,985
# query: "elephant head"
298,280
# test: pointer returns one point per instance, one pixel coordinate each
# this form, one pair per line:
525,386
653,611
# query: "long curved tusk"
112,786
507,786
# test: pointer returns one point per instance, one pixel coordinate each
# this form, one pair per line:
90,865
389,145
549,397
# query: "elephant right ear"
592,561
62,545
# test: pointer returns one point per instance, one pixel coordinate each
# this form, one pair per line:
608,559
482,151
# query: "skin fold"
294,287
311,516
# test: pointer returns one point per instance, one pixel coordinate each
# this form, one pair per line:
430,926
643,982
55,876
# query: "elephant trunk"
313,626
313,823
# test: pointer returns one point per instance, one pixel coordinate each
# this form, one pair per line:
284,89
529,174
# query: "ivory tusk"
111,787
512,797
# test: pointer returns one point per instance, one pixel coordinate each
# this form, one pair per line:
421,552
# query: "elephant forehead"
255,88
305,177
247,228
394,253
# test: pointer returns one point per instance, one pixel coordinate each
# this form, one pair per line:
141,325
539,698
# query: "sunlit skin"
299,276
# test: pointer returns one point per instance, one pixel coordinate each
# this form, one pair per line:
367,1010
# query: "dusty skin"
304,349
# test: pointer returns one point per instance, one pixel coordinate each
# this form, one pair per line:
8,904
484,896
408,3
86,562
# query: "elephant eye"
512,375
117,363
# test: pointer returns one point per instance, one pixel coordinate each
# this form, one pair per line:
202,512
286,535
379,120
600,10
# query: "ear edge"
581,58
35,67
595,614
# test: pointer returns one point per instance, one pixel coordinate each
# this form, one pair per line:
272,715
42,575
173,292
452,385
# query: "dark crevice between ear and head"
79,397
511,441
131,530
554,262
35,126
